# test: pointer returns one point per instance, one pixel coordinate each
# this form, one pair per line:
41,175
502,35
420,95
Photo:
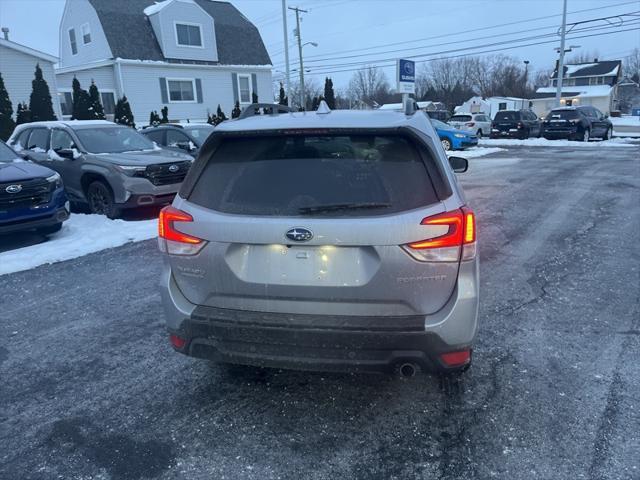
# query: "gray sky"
340,26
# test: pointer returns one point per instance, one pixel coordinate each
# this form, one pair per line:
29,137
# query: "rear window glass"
562,115
506,117
298,175
461,118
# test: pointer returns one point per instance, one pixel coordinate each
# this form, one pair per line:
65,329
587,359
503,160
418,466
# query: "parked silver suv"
106,166
323,240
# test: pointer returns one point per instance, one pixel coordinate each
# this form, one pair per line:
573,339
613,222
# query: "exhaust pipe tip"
408,370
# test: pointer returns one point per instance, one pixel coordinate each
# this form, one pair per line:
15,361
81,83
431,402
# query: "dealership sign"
406,76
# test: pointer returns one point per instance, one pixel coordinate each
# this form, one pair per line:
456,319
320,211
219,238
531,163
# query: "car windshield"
200,134
562,115
112,140
441,125
506,117
6,154
461,118
292,175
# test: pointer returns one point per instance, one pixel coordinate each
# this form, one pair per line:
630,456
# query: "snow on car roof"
334,119
69,123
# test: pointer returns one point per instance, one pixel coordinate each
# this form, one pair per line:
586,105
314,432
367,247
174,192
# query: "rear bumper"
325,342
560,134
143,200
507,134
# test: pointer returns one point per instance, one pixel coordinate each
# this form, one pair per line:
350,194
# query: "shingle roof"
130,34
607,67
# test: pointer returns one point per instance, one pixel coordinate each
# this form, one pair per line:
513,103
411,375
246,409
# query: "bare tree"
541,78
312,88
369,85
582,57
631,65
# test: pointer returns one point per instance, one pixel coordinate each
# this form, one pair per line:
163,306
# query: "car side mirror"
459,164
65,153
605,116
188,146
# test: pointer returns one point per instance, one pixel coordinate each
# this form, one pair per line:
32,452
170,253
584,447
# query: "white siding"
18,69
76,14
163,23
142,88
102,76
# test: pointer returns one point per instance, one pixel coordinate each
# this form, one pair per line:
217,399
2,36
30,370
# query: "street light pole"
299,35
561,59
286,47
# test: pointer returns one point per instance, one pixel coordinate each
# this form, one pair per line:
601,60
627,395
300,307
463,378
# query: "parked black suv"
577,123
188,138
515,124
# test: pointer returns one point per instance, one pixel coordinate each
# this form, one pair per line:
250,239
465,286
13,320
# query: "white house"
189,55
491,105
18,65
594,83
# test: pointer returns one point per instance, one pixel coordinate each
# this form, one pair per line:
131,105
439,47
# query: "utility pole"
286,47
526,74
561,59
299,35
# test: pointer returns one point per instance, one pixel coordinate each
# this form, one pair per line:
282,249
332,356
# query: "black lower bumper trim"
58,216
142,200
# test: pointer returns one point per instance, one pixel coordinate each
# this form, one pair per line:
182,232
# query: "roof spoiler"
275,108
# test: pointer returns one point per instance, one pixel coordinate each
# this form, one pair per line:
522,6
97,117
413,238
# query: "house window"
108,102
72,41
596,80
570,81
181,90
86,34
188,35
502,106
66,103
244,88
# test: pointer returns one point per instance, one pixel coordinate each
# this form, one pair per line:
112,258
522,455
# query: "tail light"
177,342
456,359
469,124
172,240
458,242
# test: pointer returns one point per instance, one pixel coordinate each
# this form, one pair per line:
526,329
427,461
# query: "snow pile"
627,126
475,152
80,235
543,142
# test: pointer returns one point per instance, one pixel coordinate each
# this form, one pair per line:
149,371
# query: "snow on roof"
582,91
69,123
29,51
156,7
334,119
398,106
571,69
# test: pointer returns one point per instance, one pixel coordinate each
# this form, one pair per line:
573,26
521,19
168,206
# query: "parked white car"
476,123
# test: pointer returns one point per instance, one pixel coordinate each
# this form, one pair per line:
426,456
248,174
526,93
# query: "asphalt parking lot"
91,390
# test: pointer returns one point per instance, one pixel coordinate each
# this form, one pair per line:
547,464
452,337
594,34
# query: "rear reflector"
456,359
173,241
177,342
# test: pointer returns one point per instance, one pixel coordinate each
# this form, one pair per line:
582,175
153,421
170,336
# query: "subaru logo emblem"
174,168
299,234
13,189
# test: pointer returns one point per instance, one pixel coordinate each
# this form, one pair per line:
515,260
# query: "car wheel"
479,133
446,144
100,199
50,230
609,134
586,135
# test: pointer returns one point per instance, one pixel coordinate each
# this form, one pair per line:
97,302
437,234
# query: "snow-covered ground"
543,142
626,126
80,235
475,152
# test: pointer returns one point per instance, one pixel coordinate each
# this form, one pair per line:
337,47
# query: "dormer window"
86,33
188,34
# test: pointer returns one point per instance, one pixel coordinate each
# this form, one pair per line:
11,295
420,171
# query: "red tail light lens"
173,241
177,342
470,124
461,233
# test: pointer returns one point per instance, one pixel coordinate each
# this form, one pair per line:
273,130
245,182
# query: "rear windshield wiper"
341,206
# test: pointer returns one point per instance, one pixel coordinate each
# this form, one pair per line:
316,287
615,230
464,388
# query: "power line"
546,42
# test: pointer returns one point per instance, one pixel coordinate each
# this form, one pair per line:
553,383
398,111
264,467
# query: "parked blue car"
32,197
453,139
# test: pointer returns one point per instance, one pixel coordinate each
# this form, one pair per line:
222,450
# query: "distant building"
594,83
189,55
491,105
18,65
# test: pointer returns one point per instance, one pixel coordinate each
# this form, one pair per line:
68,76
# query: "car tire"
479,133
50,230
101,201
609,134
586,135
446,144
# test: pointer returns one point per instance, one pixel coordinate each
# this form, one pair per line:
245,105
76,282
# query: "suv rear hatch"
561,121
460,121
315,223
506,122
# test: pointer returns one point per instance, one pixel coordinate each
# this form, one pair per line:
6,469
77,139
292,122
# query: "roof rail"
275,108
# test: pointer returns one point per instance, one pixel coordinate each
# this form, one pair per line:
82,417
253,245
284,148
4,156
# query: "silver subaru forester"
328,240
